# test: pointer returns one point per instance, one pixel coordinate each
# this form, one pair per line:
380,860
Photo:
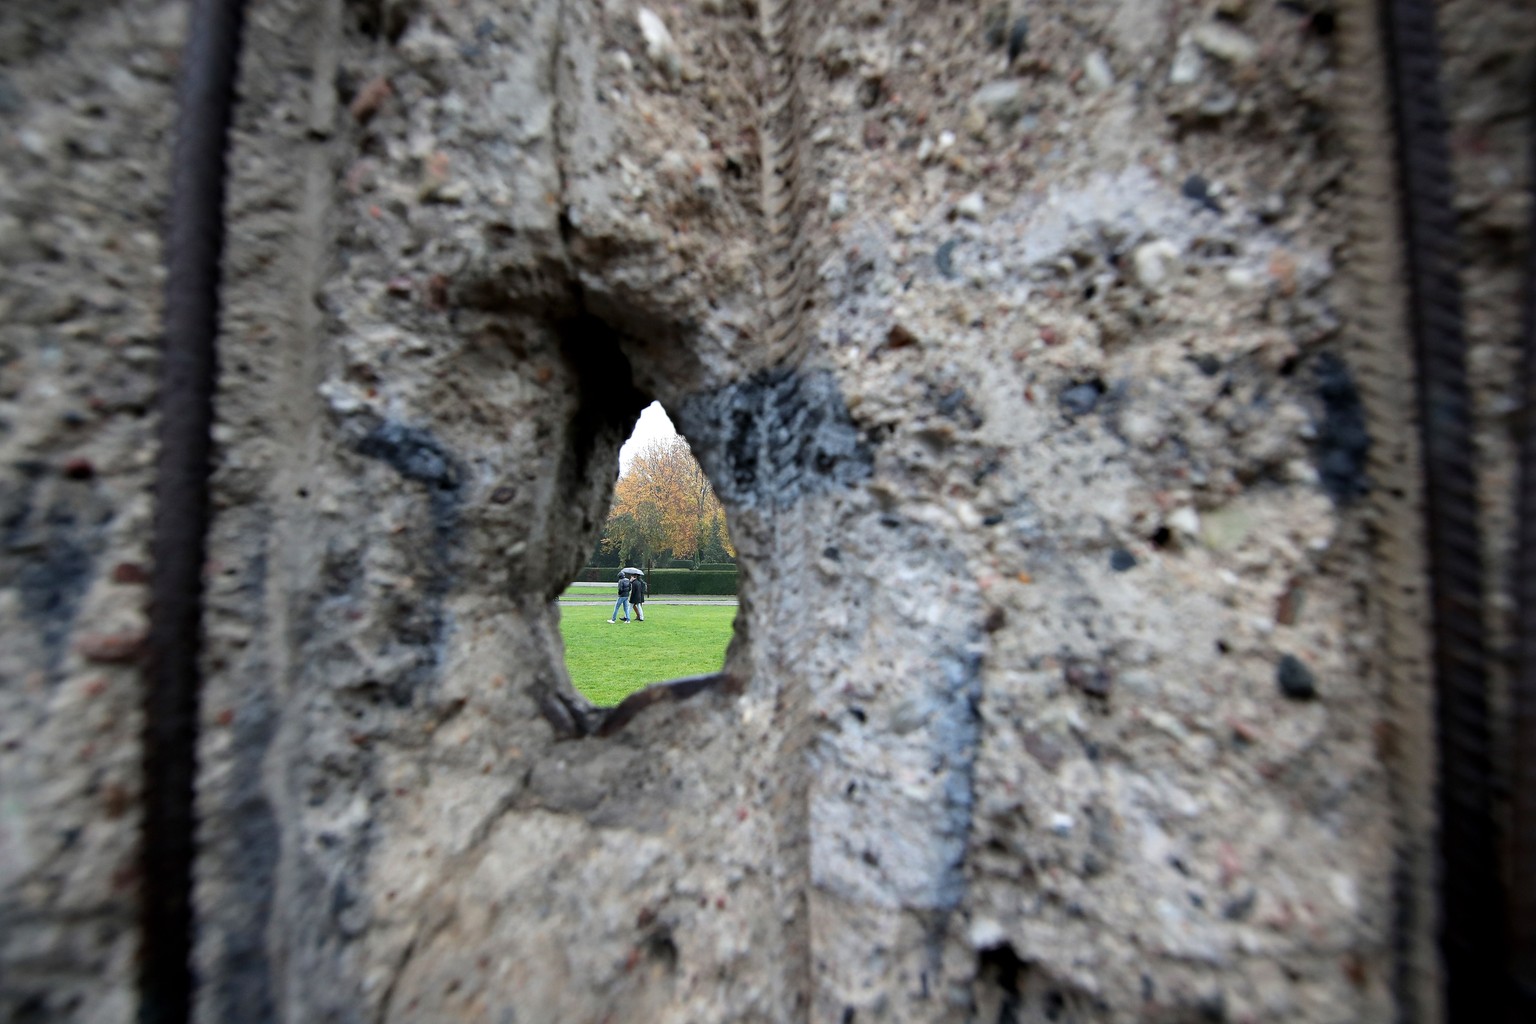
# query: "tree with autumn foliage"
664,502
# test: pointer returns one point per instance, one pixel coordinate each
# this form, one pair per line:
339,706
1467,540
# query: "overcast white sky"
653,424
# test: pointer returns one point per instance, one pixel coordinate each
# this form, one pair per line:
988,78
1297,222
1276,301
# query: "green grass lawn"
608,663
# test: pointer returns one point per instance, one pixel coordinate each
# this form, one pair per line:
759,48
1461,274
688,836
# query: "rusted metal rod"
194,247
1472,941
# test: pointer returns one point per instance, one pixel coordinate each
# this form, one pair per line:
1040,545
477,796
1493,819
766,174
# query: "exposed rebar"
194,247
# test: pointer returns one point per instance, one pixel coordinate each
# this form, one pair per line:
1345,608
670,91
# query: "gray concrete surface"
1056,692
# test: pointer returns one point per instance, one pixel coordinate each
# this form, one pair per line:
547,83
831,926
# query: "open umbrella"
631,571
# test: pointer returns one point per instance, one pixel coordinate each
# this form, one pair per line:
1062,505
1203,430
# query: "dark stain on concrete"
775,438
419,621
52,531
1343,442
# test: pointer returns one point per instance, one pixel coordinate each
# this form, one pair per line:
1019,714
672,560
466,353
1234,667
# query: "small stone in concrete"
1288,604
1094,680
1187,63
1197,188
1000,101
129,572
1238,908
1225,529
1081,399
1018,38
111,648
1142,429
985,933
1218,104
1296,680
369,99
1120,560
1225,43
1185,521
1154,264
659,46
1044,750
1096,69
944,258
971,206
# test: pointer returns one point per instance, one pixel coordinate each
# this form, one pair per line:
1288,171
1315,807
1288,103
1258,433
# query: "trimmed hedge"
686,581
716,567
602,558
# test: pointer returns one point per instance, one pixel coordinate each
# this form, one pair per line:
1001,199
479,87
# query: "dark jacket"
637,589
623,586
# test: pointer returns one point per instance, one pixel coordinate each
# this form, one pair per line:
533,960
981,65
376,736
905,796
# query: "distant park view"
668,529
665,512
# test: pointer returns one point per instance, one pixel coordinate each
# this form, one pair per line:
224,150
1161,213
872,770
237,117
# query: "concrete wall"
85,111
1057,691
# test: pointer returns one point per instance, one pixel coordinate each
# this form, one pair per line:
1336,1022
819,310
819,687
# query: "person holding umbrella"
637,591
623,602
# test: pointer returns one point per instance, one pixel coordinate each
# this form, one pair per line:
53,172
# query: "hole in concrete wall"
1009,990
767,437
657,600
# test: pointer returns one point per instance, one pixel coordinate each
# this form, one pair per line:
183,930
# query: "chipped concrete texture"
1112,395
85,111
1051,696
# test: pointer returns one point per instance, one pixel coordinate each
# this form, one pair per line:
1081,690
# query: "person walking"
637,591
623,602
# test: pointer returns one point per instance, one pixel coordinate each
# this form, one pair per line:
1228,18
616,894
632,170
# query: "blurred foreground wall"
1030,371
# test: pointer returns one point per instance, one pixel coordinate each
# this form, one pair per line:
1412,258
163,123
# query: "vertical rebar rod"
1522,845
1472,941
194,247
